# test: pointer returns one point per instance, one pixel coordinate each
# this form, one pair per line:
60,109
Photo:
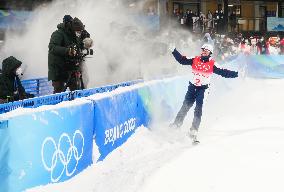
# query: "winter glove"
237,74
72,52
171,47
242,72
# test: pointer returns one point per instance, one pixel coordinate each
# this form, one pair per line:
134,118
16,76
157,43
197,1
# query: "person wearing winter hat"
77,26
11,88
62,54
203,66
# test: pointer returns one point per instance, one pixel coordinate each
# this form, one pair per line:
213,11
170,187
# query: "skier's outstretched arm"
225,72
182,59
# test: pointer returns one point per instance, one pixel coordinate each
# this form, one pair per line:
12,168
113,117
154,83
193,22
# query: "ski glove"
171,47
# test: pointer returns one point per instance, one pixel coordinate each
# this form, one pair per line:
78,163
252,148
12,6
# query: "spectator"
207,39
238,39
216,21
189,20
221,22
209,20
267,46
253,45
62,54
281,45
262,46
233,21
202,19
11,88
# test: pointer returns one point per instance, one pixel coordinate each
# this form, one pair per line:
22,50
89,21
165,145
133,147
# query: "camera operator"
11,88
64,55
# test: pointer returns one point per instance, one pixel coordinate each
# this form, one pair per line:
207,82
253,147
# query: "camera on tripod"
78,52
86,51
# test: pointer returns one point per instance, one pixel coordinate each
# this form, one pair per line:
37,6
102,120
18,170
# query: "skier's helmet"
208,47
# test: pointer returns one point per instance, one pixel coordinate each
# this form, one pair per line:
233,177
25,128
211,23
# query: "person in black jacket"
233,21
203,67
216,21
189,19
11,88
62,54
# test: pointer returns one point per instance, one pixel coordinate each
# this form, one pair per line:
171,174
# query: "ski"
195,142
193,136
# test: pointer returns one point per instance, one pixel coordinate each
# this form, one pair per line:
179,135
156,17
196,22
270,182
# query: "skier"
203,67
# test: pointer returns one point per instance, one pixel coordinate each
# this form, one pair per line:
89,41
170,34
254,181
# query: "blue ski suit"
202,67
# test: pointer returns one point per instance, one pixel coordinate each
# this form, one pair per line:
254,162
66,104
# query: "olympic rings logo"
59,156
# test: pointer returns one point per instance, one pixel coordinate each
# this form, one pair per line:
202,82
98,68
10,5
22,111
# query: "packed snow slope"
241,148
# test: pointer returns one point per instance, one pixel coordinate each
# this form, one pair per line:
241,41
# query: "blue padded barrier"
53,145
36,86
10,106
46,100
45,146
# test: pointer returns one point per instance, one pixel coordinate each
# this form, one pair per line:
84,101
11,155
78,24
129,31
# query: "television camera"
82,50
79,53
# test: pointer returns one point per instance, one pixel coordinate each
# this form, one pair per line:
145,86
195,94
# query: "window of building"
281,10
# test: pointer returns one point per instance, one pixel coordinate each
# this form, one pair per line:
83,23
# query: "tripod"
74,81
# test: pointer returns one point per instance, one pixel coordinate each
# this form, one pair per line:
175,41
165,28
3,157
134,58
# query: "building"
251,15
21,4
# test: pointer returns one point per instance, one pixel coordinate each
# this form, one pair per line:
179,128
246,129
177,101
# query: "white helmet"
209,47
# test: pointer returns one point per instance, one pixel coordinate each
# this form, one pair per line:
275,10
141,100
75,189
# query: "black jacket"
59,62
11,88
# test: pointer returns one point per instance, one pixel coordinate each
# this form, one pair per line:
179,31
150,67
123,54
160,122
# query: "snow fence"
53,143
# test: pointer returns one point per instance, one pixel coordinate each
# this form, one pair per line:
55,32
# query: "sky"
241,148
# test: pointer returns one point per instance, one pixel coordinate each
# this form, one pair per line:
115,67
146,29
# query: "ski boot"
193,136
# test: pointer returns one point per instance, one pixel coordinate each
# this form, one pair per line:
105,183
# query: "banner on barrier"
163,99
118,116
116,119
259,66
265,66
45,147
